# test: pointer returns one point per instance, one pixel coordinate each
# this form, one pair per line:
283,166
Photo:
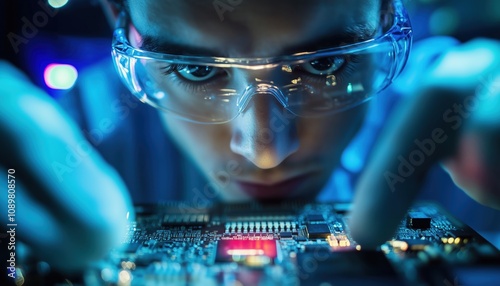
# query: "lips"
284,189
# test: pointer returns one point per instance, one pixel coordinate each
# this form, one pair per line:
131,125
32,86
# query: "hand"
453,118
70,206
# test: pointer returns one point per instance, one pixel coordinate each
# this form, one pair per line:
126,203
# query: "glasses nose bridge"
261,88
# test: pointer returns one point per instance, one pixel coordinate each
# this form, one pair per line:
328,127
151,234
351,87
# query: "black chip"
220,229
285,234
320,266
418,220
315,217
185,219
317,230
341,212
300,238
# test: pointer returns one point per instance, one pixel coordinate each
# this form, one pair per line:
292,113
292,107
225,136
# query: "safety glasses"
309,84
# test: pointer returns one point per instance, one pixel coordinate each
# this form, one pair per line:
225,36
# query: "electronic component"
245,250
338,241
317,230
418,220
346,268
285,234
289,243
409,244
185,219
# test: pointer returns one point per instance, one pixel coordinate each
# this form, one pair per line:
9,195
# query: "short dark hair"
123,3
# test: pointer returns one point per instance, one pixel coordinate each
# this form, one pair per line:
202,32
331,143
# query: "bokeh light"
444,21
57,3
60,76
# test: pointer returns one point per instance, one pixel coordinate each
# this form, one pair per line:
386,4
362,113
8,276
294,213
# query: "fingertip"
377,209
370,229
365,238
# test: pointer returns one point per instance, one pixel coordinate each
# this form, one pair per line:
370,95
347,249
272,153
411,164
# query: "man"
242,90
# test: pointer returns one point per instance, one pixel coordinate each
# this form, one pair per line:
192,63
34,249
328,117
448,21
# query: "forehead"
250,28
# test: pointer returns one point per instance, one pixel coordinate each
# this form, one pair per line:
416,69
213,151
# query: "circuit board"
292,243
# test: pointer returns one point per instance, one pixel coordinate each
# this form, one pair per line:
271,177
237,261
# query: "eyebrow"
351,34
153,44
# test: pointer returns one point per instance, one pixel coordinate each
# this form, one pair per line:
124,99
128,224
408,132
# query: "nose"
265,133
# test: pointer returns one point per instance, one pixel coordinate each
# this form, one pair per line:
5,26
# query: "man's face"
265,153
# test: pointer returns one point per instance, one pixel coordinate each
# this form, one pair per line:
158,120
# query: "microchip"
317,230
237,250
315,217
185,219
418,220
285,234
319,266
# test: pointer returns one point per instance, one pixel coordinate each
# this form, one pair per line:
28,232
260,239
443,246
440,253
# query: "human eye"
340,68
198,73
192,78
193,73
324,66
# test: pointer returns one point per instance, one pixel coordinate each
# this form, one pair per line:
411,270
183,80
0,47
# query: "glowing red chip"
228,249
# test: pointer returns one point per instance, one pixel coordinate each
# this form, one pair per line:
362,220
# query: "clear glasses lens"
212,92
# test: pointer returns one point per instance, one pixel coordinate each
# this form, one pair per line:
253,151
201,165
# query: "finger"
421,133
415,139
61,177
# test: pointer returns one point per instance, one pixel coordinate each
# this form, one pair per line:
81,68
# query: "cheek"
204,144
328,136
